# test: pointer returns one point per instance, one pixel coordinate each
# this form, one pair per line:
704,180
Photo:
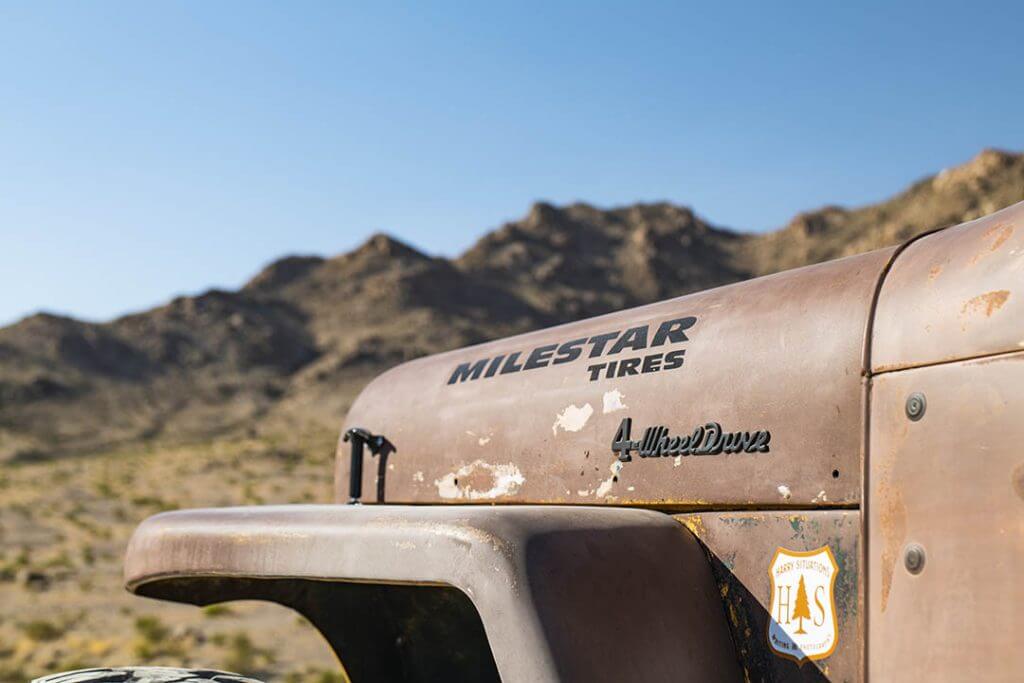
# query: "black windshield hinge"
378,445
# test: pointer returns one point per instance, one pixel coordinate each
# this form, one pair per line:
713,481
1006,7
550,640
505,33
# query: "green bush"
244,656
151,629
219,610
42,631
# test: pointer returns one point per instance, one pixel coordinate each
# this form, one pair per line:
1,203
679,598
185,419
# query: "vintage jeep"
816,475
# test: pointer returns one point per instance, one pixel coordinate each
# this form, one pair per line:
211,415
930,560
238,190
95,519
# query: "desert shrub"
154,640
104,489
154,502
151,629
219,610
41,630
244,656
10,674
61,560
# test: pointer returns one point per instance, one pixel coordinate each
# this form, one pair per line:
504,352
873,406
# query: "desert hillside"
290,349
234,397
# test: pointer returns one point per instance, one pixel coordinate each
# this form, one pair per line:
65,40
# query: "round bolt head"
913,558
916,405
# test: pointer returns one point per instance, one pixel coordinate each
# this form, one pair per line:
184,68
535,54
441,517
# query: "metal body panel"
954,294
741,545
589,593
953,483
782,353
569,594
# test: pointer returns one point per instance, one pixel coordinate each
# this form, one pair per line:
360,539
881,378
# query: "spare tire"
145,674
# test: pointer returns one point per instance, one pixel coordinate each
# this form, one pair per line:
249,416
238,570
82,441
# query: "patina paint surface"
741,545
949,482
949,326
954,295
563,593
781,354
808,373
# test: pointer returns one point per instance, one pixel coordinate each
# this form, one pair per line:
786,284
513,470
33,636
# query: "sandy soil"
64,525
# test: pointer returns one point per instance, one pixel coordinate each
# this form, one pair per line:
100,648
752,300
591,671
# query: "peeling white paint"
583,493
607,484
482,440
784,491
417,476
677,461
631,488
572,419
820,498
613,401
505,481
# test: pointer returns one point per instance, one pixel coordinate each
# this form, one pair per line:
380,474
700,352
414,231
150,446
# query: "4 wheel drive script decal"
708,439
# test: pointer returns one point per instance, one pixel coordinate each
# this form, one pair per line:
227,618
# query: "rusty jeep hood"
777,361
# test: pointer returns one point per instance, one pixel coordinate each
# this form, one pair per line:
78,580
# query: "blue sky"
157,148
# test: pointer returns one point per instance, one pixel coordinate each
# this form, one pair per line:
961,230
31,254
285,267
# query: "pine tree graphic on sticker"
802,610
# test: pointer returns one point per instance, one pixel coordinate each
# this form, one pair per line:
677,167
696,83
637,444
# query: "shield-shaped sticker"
803,624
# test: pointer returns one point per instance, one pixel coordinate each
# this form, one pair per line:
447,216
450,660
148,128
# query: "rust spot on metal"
998,233
934,272
695,523
477,479
987,303
1001,358
480,480
1018,480
892,522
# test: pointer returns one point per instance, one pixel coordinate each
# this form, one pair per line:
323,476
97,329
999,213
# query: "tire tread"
145,674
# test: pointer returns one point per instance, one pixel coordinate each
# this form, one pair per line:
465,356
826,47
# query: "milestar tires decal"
599,346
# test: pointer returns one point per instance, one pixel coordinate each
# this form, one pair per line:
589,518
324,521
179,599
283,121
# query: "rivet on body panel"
916,405
913,558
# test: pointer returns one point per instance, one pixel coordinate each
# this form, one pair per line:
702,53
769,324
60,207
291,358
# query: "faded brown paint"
564,594
741,545
954,294
781,353
954,477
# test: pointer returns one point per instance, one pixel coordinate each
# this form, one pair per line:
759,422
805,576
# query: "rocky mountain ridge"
291,348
